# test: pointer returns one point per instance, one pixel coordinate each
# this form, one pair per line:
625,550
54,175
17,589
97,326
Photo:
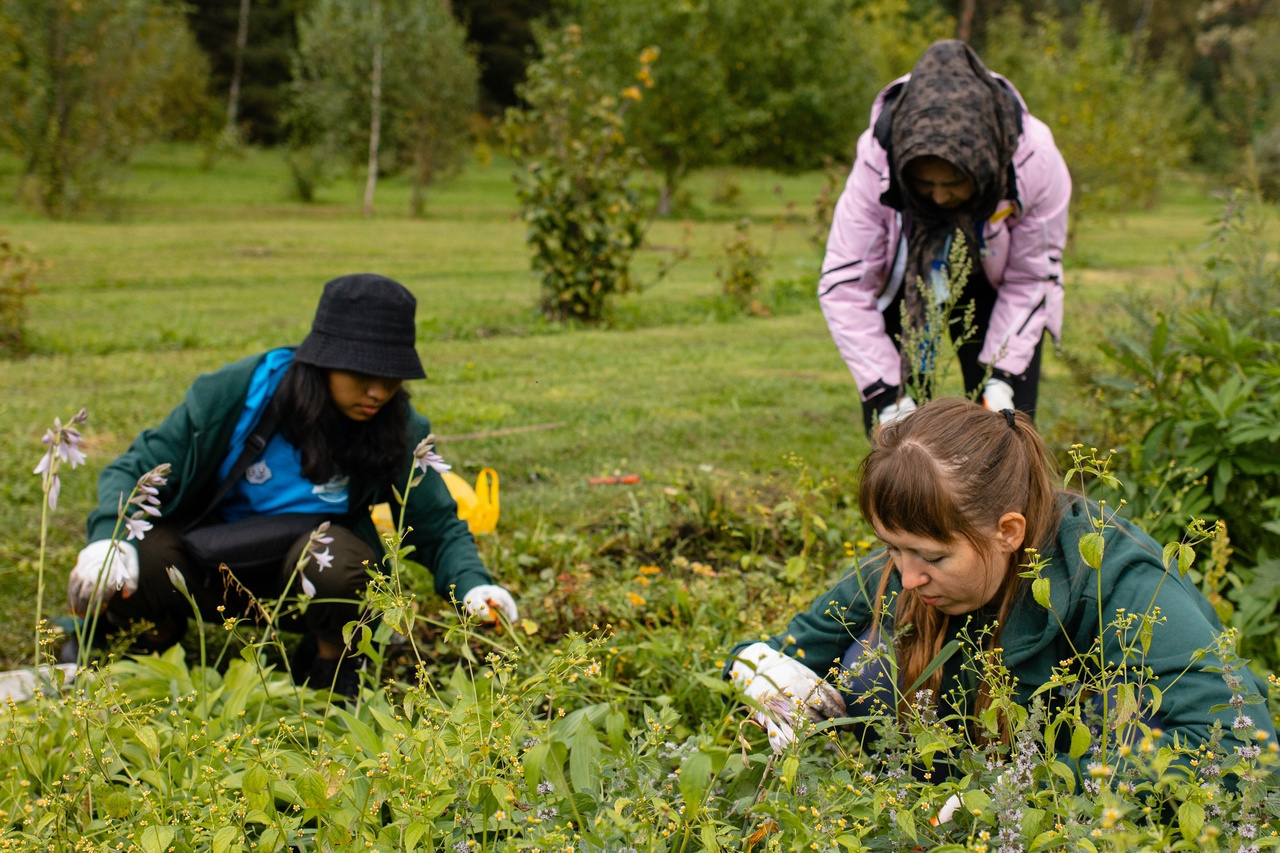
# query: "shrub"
575,181
1266,152
18,271
742,275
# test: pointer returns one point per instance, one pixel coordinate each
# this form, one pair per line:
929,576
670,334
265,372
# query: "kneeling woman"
330,433
964,499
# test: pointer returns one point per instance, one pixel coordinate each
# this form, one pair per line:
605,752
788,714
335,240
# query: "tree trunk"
375,122
242,39
964,25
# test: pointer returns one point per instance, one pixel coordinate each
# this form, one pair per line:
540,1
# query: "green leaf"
943,655
1190,820
1091,547
1186,556
1080,740
156,839
254,785
312,788
584,759
226,839
695,777
533,761
1040,592
790,768
149,741
906,823
117,804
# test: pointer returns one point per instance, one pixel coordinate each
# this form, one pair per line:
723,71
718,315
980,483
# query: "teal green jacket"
1132,580
196,437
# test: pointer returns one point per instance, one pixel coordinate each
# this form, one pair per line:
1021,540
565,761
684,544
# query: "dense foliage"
576,180
744,82
83,84
391,85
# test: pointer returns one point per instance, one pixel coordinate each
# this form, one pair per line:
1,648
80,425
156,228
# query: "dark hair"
950,470
331,443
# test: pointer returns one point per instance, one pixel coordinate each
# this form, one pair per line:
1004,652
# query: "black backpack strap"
253,447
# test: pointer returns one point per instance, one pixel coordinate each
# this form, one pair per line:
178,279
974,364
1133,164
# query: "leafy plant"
743,274
575,181
18,270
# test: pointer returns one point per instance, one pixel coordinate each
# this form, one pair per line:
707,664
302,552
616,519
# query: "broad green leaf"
790,767
149,741
1040,591
1186,556
1080,740
584,760
117,804
254,786
311,787
1091,547
533,761
695,776
1190,820
227,839
156,839
906,823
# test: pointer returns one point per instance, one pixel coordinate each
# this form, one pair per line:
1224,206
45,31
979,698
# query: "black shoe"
342,676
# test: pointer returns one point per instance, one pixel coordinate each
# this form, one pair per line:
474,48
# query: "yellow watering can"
478,507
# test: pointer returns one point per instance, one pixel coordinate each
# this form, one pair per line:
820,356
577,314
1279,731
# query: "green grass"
190,268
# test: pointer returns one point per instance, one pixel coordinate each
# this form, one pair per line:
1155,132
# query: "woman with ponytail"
967,502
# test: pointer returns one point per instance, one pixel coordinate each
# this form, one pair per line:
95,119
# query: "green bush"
18,271
575,181
1266,152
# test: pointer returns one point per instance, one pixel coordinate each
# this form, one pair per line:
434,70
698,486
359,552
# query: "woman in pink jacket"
951,147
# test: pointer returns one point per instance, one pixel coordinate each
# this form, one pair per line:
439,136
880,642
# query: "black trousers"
337,596
1026,385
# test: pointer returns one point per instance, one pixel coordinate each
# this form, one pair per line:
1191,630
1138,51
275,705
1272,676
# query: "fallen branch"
492,433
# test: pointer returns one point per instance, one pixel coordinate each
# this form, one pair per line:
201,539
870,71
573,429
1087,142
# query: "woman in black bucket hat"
261,452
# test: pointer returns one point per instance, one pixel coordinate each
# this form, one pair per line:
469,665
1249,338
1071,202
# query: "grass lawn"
191,268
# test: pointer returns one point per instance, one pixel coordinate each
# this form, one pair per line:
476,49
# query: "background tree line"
403,86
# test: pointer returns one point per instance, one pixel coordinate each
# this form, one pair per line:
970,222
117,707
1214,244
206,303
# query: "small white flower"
308,588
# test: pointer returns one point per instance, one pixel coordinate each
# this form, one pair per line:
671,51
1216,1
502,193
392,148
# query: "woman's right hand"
785,687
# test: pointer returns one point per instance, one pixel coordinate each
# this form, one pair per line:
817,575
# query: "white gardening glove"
894,411
997,395
948,810
784,686
481,598
117,565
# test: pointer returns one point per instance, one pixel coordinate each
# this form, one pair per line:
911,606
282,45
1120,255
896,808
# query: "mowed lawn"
191,268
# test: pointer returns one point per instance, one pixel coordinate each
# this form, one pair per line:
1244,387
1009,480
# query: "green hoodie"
1132,580
196,437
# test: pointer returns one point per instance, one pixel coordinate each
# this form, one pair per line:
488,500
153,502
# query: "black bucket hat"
364,323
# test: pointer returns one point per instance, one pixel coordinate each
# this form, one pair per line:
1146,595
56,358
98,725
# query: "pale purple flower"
323,559
425,456
308,588
146,495
63,445
136,527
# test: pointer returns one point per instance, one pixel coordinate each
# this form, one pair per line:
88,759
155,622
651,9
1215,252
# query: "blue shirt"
273,483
